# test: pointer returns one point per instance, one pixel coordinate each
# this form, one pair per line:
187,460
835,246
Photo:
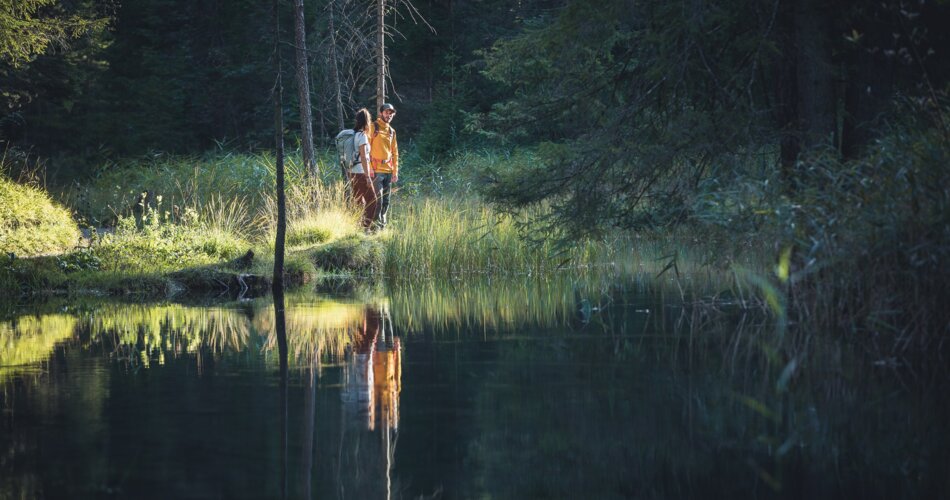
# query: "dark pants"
384,186
364,196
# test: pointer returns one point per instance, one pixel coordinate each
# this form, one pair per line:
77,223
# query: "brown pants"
365,196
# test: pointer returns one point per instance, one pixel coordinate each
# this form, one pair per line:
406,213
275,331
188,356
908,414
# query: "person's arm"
395,158
364,159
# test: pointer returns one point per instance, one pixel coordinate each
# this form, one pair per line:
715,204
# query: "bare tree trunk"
380,53
813,28
278,285
335,75
805,86
335,71
303,89
278,98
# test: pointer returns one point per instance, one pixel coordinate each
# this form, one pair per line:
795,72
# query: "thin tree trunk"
303,89
278,286
278,98
816,90
380,53
335,71
335,75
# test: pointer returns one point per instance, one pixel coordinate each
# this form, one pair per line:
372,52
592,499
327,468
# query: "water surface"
555,388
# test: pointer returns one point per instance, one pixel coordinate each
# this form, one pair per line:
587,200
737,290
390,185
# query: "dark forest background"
186,76
698,78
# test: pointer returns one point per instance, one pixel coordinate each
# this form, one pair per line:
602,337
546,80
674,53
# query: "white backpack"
346,148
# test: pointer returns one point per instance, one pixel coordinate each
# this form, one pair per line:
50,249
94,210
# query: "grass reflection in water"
575,389
29,340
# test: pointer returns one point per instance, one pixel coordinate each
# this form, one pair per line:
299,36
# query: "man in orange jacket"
384,155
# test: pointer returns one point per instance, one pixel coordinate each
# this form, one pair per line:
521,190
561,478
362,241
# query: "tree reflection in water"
511,397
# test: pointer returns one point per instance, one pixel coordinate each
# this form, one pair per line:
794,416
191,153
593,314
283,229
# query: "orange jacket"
383,149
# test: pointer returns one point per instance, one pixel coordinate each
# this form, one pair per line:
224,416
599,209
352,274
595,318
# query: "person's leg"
365,197
383,192
353,181
369,211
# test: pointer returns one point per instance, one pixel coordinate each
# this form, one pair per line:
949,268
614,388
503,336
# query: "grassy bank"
858,247
164,232
31,223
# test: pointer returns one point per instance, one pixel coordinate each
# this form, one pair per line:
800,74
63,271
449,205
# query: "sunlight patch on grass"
31,223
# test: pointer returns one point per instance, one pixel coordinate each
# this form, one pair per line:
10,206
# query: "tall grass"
317,212
202,209
870,247
158,245
32,223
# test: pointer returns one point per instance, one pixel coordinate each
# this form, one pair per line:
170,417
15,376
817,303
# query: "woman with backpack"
361,172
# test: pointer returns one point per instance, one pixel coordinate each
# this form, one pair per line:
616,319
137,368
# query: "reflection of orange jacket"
383,150
387,372
373,373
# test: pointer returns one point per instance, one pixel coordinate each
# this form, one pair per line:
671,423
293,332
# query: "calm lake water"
557,388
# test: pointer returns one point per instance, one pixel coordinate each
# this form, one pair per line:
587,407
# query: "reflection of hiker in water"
371,385
372,372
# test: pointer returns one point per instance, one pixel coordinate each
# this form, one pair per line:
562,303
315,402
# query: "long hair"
362,121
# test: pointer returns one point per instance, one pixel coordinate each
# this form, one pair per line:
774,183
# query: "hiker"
384,153
361,172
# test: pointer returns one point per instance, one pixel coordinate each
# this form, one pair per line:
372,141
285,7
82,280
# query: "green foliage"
307,234
223,189
161,246
872,235
635,106
29,27
619,100
31,223
36,274
82,259
354,253
861,244
462,235
441,130
299,269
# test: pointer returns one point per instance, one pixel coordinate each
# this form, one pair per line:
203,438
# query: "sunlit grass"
160,246
31,223
317,212
205,211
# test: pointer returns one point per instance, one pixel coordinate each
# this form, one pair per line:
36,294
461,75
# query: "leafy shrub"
872,235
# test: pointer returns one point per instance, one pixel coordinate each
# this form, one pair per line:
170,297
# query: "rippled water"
528,389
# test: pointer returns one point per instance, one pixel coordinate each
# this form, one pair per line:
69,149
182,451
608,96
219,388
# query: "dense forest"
693,80
182,76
